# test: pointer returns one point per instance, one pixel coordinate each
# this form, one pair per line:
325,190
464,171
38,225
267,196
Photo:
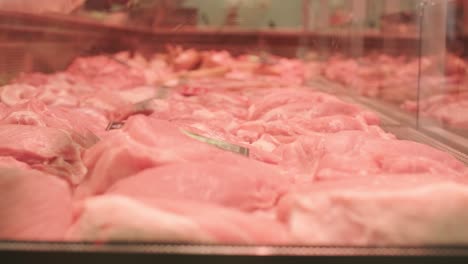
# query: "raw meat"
361,154
397,156
313,169
17,93
331,124
449,109
10,162
46,149
244,184
392,79
143,143
117,218
106,72
395,80
149,143
34,205
292,103
81,123
386,212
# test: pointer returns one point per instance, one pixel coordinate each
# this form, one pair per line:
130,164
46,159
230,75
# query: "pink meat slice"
288,103
362,154
46,149
34,205
423,157
61,92
144,143
82,126
104,72
330,124
283,97
258,149
138,94
10,162
118,218
17,93
4,109
452,114
232,182
388,210
287,131
104,100
357,154
234,104
446,108
309,110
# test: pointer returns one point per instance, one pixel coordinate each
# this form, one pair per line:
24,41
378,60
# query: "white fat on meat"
23,118
115,218
17,93
118,218
266,143
138,94
428,213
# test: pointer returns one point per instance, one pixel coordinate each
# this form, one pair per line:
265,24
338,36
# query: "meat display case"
395,63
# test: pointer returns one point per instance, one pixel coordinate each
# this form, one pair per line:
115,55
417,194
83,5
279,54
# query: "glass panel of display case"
370,49
187,125
441,103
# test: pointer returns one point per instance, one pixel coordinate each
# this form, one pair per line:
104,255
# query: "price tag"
219,144
115,125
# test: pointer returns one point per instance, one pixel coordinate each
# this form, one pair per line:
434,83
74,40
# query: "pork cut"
17,93
413,210
448,109
307,168
290,103
362,154
118,218
146,143
82,124
105,72
47,149
143,143
229,181
34,205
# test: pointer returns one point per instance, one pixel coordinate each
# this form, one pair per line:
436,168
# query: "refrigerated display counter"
317,131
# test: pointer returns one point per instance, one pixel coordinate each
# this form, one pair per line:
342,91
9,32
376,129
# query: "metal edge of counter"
226,250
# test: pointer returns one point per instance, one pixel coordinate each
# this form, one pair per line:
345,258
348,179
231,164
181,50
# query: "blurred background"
247,14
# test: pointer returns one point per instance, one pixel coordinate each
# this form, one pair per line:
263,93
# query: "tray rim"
233,250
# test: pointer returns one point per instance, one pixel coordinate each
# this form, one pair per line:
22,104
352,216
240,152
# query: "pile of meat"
388,78
450,110
318,171
396,79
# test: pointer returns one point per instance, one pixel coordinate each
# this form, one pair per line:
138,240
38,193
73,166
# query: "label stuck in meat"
219,144
115,125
